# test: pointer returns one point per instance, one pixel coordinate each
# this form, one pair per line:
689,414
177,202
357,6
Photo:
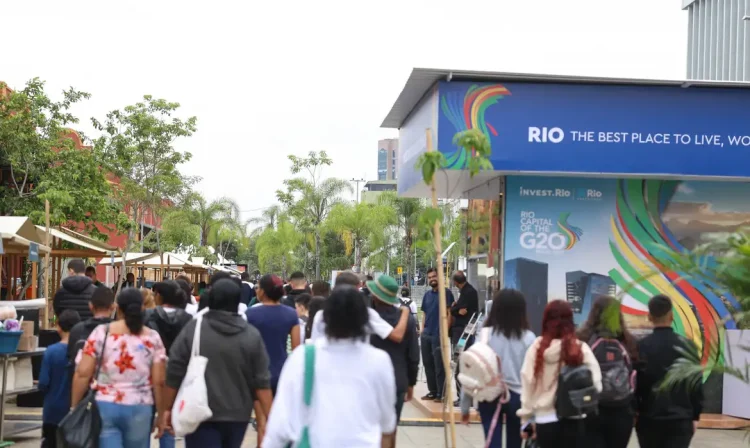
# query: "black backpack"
618,375
576,393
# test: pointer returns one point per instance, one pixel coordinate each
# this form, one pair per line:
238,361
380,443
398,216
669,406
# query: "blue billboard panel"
601,129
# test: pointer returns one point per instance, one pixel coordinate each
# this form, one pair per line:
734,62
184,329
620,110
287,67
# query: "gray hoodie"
237,363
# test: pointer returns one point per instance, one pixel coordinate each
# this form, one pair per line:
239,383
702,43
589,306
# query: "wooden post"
34,278
47,267
445,342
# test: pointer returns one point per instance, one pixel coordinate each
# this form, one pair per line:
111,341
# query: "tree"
267,219
310,199
138,144
278,246
210,215
408,211
178,233
365,224
41,162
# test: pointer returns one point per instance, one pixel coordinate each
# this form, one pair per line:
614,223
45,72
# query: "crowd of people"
333,367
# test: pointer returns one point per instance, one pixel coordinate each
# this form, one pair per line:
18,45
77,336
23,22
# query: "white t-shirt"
377,325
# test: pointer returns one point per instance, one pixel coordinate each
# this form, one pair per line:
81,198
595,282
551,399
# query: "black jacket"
404,356
468,299
74,294
167,324
237,363
81,332
288,300
656,354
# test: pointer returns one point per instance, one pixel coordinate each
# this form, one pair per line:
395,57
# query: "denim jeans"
217,435
125,426
512,432
167,439
433,364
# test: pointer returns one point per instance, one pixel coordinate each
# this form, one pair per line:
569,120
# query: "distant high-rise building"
531,278
387,158
583,288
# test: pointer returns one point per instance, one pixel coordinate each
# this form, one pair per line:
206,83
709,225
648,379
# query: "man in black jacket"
404,355
101,306
666,418
75,292
298,282
170,317
461,311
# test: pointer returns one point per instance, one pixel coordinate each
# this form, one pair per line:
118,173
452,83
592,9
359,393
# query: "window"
382,164
393,164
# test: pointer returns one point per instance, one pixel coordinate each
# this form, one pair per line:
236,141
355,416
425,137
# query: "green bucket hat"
384,288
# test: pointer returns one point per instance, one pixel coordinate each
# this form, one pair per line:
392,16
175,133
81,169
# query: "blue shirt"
431,309
54,382
274,322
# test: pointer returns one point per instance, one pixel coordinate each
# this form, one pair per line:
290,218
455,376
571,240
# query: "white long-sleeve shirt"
353,399
377,326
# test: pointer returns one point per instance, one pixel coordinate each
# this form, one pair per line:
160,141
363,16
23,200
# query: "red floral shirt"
125,376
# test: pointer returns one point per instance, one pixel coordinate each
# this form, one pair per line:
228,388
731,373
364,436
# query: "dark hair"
187,289
369,278
606,319
202,285
171,293
130,275
272,286
219,275
287,289
316,304
347,278
557,323
508,314
68,319
405,292
245,276
659,306
296,276
459,277
345,314
430,271
225,296
130,302
303,300
90,270
77,266
321,288
102,298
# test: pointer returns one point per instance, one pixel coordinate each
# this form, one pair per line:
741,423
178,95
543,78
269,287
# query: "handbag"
304,440
82,426
190,407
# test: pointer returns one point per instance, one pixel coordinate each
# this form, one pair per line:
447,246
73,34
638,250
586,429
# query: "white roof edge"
686,3
73,240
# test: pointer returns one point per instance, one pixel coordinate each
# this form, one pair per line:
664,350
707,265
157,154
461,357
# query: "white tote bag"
191,405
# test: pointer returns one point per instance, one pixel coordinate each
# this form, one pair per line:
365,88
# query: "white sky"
267,78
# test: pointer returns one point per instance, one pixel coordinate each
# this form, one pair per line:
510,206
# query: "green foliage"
429,163
275,248
43,163
476,143
364,223
179,232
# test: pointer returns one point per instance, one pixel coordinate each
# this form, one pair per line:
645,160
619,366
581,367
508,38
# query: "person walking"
666,418
298,285
556,348
275,323
248,289
353,400
316,305
506,331
404,355
430,340
129,282
75,292
131,381
102,306
236,374
91,273
302,305
462,310
54,380
616,351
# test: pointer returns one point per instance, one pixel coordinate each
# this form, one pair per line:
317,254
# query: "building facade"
531,278
387,159
718,40
583,288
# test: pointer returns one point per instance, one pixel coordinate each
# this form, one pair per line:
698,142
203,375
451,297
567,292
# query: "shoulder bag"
190,407
82,426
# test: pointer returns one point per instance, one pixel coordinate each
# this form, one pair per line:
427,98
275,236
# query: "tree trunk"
407,256
358,254
317,254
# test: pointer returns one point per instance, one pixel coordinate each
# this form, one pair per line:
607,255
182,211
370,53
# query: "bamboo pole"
47,267
444,339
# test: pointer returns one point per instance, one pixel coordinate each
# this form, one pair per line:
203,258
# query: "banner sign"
34,252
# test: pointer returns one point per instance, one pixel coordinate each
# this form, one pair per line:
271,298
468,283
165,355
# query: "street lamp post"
357,181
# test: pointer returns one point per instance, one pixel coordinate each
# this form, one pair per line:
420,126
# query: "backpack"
481,372
576,393
618,375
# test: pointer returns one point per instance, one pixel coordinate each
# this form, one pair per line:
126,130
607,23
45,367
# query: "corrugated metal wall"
719,40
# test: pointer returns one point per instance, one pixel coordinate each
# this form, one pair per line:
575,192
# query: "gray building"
718,39
387,158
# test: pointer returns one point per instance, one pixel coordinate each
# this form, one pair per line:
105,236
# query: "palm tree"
210,216
407,211
267,220
279,244
310,204
365,224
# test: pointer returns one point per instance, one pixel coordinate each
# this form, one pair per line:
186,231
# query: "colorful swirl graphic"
468,113
572,233
638,238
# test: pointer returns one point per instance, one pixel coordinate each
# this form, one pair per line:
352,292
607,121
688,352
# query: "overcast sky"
267,78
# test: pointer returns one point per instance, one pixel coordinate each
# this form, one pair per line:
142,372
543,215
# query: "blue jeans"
167,439
217,435
432,360
512,432
125,426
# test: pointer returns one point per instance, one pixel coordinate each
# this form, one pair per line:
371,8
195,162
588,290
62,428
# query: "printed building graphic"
531,278
583,288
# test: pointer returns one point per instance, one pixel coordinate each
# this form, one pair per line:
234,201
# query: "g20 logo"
543,241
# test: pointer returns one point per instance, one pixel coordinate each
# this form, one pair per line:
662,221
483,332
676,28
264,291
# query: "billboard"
581,238
600,129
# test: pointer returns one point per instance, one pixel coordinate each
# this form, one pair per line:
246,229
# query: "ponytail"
130,302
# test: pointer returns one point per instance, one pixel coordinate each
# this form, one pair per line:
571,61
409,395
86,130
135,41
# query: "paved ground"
467,437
